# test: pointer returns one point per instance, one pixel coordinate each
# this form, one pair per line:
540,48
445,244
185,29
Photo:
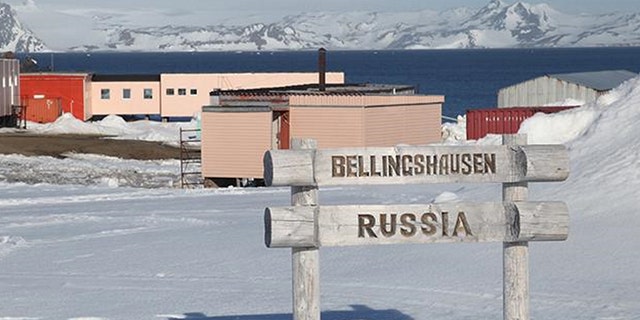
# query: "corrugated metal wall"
331,127
412,124
42,110
481,122
543,91
233,143
10,90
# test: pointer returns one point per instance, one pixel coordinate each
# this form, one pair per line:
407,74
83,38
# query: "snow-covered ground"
105,252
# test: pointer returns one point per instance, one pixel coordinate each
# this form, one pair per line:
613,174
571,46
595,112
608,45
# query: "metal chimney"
322,69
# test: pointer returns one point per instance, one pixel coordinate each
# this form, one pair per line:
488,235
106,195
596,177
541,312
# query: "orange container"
42,110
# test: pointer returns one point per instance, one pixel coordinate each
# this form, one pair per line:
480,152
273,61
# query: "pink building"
125,95
245,124
184,94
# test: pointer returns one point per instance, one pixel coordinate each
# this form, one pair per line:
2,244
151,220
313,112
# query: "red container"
481,122
42,110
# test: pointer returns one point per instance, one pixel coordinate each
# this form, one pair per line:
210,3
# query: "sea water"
469,79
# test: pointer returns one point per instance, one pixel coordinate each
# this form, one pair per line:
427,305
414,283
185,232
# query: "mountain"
496,25
14,36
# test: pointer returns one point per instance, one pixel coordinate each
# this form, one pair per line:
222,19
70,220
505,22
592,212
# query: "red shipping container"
481,122
42,110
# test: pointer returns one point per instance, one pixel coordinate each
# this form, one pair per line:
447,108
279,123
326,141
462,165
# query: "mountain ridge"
496,25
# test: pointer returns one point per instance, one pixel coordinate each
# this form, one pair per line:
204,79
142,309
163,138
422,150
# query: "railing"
190,158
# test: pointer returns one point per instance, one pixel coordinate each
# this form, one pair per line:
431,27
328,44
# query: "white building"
557,88
10,91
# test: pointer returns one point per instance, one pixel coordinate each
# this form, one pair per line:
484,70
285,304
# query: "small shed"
242,125
48,95
557,88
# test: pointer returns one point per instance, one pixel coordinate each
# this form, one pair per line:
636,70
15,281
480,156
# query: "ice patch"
10,243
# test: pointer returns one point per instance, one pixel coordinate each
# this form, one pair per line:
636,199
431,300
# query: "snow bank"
116,128
566,126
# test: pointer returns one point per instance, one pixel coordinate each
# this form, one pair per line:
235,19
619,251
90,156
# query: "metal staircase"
190,158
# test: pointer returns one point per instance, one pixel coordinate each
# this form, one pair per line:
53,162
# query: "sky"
281,6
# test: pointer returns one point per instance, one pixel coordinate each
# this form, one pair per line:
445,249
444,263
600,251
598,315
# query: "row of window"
105,94
181,92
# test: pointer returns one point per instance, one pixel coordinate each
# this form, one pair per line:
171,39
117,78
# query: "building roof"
330,89
598,80
126,77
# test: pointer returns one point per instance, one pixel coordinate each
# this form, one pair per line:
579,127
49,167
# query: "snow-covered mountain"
14,36
496,25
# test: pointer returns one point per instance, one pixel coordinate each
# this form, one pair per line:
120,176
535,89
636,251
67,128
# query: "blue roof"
598,80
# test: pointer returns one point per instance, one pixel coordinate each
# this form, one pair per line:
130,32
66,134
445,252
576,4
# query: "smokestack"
322,69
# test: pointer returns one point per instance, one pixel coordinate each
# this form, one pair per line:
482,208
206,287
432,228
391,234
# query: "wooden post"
305,261
515,254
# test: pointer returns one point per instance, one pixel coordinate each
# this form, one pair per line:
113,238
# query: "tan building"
184,94
245,124
125,95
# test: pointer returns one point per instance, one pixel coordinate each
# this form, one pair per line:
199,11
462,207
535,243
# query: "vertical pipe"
305,261
322,69
515,260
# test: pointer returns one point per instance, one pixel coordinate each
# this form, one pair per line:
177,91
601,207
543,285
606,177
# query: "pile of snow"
116,128
454,132
568,125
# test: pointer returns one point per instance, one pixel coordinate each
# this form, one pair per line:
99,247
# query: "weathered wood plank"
515,255
415,223
305,260
409,164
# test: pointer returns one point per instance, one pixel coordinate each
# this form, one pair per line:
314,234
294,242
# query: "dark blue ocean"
469,79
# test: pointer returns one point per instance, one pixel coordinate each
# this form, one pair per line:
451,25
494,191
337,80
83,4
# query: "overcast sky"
282,6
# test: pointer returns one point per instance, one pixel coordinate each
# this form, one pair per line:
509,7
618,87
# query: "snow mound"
115,127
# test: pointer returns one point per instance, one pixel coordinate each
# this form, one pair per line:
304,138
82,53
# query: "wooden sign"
403,165
321,226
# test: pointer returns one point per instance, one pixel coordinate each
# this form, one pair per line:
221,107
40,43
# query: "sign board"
321,226
305,226
404,165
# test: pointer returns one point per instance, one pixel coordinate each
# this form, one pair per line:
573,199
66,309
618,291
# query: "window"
170,92
105,94
147,93
182,92
193,92
126,93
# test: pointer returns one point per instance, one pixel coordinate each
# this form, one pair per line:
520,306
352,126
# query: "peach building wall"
191,91
233,143
366,121
116,104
